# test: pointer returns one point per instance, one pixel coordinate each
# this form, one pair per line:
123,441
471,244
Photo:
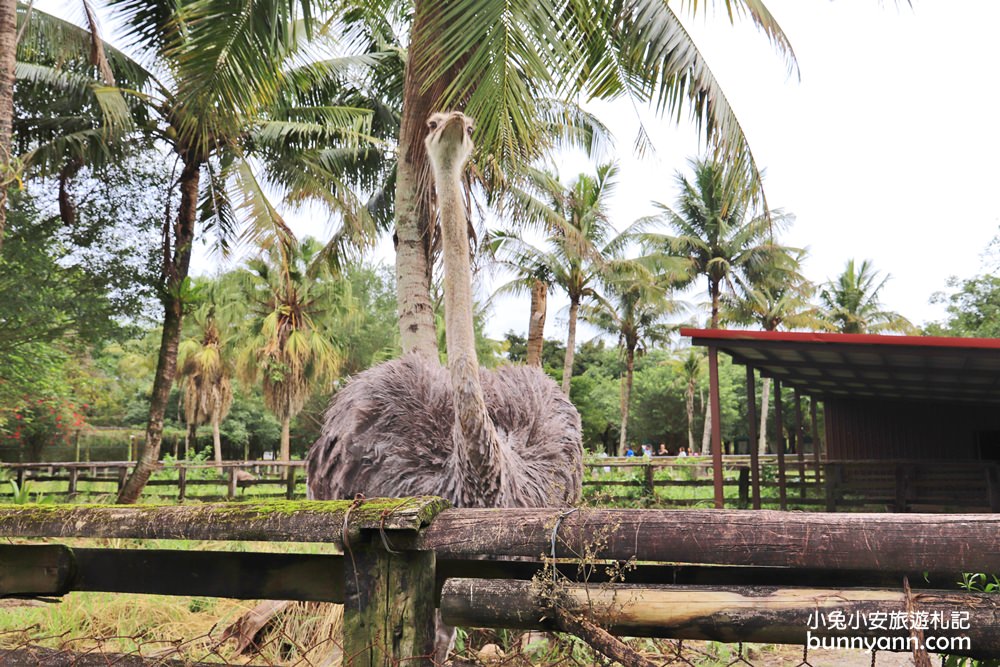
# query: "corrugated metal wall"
867,429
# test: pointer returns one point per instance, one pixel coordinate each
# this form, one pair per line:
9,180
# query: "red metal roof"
921,368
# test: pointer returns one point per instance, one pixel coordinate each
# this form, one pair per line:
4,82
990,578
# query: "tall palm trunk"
536,325
176,265
285,452
574,307
765,400
8,57
190,438
689,405
414,220
626,397
706,435
217,439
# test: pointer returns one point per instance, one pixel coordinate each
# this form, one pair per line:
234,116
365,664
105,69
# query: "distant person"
630,451
682,452
663,450
647,450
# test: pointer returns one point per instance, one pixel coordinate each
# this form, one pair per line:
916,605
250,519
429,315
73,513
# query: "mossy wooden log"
389,605
732,614
274,521
862,541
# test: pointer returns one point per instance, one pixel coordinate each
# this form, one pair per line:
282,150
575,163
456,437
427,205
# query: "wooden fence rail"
899,485
712,574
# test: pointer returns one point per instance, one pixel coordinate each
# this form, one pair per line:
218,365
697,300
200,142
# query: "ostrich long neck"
474,429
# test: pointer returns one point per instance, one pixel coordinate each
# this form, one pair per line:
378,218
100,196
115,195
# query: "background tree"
635,305
780,297
716,233
581,239
851,304
289,348
237,100
205,375
512,66
690,367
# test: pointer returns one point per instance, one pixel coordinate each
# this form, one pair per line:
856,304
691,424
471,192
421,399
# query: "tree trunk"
626,397
217,441
536,325
706,436
765,399
713,292
190,438
286,439
574,306
690,414
176,266
8,58
415,222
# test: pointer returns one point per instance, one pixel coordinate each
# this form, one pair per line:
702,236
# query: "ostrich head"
449,144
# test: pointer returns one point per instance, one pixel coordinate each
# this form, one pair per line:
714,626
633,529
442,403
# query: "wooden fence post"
833,472
181,483
647,488
290,482
74,474
122,475
993,487
389,600
744,486
231,490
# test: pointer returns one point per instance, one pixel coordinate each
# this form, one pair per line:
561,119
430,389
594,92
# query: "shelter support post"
780,446
752,434
815,436
713,402
800,443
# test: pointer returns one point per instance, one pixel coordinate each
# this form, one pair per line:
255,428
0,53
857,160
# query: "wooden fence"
734,575
885,485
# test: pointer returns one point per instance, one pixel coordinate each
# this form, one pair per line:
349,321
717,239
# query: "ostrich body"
480,438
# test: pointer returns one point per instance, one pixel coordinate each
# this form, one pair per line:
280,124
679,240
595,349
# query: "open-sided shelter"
884,397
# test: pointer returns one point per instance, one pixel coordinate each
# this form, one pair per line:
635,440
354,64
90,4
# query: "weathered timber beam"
36,569
862,541
753,614
273,521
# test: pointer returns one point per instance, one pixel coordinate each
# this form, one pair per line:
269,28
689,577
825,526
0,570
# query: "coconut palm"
512,65
690,368
851,304
779,298
289,348
235,99
205,375
633,309
530,277
581,239
716,232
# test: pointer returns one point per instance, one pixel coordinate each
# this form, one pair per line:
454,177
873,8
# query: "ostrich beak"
454,129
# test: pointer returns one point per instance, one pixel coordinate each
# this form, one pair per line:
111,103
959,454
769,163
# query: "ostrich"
480,438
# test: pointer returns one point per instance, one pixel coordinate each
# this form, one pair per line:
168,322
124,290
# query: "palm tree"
715,232
851,304
633,310
690,370
778,299
234,100
512,65
581,239
718,236
288,348
205,375
530,276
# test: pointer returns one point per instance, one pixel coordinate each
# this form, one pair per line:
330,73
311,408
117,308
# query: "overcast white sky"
887,147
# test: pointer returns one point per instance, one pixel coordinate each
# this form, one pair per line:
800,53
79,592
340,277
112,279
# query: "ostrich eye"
469,130
433,124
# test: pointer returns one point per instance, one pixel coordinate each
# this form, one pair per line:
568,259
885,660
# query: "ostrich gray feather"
391,432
